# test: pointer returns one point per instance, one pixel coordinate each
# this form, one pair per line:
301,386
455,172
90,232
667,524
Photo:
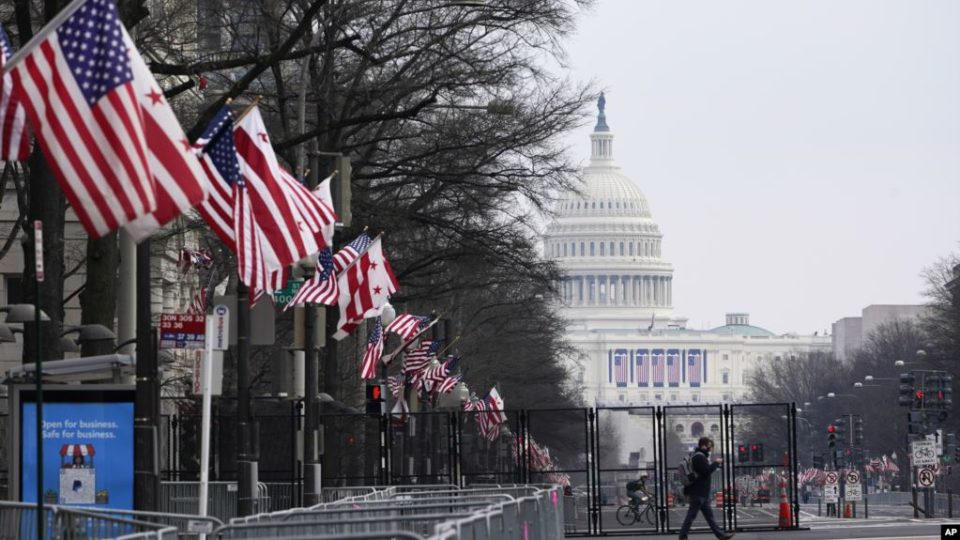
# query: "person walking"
698,492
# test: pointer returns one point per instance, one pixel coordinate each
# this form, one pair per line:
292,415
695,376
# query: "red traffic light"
831,429
754,447
919,394
375,392
742,449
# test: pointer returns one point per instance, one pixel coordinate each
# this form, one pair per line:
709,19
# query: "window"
601,205
621,249
725,376
631,249
714,429
727,397
13,284
611,249
678,428
582,249
601,249
658,397
695,398
591,249
726,357
564,250
673,397
696,429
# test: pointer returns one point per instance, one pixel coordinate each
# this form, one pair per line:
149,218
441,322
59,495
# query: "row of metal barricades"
435,512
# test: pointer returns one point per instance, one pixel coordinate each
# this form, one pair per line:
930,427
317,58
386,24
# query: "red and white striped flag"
322,288
199,304
276,206
105,128
322,191
14,138
365,287
371,358
218,158
449,384
406,325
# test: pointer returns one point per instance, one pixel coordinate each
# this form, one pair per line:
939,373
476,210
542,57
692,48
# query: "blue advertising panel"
87,450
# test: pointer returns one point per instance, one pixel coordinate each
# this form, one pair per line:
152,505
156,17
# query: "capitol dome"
605,239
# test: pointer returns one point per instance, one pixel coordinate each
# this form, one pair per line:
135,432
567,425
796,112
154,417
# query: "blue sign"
87,454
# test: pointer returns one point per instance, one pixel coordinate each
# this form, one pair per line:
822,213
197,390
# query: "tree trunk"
47,205
98,301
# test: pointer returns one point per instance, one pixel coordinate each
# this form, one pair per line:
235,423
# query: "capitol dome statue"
606,241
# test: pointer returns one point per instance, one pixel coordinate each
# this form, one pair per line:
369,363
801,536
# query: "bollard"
866,509
916,510
949,503
819,506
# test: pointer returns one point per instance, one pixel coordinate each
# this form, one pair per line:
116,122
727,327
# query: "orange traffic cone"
786,520
846,511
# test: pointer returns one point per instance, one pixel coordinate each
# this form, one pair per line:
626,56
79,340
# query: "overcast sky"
802,158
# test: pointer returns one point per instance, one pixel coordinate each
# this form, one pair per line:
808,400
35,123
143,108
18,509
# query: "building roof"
747,330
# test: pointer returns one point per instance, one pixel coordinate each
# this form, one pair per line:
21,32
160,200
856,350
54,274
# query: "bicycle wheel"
649,515
626,515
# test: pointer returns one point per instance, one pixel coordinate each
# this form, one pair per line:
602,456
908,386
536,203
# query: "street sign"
937,439
923,453
182,331
831,487
853,477
854,492
221,327
926,477
283,296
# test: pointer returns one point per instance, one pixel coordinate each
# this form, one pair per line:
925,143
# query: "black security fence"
595,451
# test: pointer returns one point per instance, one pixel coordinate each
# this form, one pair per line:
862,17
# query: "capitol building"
617,297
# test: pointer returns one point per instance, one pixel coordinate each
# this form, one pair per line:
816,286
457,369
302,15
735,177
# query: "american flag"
322,287
190,258
694,367
14,138
418,359
470,405
278,205
396,384
657,364
435,374
673,367
406,325
199,304
365,287
406,343
106,130
620,366
643,367
449,384
487,425
351,252
371,358
218,157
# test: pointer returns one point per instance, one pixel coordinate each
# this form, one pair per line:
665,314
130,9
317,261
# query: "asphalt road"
914,531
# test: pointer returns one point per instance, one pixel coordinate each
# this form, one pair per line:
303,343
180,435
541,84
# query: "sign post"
924,453
831,489
217,338
854,490
38,366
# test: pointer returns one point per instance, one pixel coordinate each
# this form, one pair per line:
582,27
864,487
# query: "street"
929,530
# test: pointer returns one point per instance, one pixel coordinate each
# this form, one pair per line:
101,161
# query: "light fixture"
22,313
387,314
90,332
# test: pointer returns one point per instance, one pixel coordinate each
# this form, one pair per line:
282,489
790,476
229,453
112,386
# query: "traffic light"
915,424
949,446
374,399
831,436
919,399
756,452
841,425
939,390
907,382
858,432
743,456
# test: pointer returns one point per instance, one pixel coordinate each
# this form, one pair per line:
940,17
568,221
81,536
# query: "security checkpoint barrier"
19,520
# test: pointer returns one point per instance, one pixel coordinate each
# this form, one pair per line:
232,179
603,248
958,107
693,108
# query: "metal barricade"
19,520
186,525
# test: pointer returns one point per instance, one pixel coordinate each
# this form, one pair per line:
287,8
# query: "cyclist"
637,491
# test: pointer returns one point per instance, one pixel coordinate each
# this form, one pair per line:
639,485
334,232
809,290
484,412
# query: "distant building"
618,300
850,333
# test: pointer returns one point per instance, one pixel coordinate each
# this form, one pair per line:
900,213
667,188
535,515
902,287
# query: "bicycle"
629,514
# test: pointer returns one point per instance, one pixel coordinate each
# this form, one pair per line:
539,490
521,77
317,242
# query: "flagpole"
250,107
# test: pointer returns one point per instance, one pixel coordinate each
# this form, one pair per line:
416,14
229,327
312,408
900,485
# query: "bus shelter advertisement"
87,453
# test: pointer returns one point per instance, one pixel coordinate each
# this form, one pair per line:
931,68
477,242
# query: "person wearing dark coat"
698,492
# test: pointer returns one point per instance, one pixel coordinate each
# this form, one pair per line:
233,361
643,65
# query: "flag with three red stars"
107,132
364,286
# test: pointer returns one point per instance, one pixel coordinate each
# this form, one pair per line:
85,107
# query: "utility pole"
247,466
146,405
312,472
